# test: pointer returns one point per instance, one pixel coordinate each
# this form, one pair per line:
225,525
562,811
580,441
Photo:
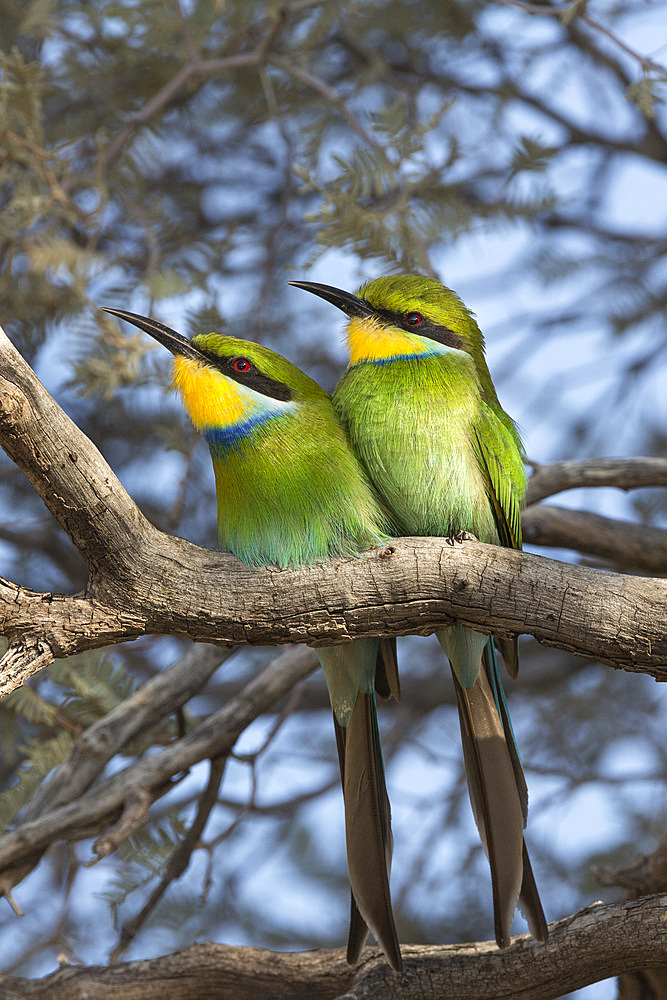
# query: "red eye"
241,365
413,319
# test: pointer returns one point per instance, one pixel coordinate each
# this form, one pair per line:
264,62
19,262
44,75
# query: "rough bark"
102,740
594,944
647,874
118,804
632,546
142,580
622,473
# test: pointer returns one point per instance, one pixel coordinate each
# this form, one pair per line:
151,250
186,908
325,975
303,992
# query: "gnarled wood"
121,795
142,580
629,546
622,473
595,943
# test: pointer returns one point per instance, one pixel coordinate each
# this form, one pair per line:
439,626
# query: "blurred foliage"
184,159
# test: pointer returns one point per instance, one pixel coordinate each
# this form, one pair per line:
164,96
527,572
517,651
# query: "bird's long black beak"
350,304
173,341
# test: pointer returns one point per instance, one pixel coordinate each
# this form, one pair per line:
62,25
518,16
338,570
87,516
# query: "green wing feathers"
497,446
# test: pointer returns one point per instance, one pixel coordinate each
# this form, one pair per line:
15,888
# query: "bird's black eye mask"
245,372
357,307
416,322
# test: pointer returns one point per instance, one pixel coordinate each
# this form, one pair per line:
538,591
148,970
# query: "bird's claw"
460,537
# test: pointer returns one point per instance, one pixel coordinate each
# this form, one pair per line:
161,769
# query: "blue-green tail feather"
350,671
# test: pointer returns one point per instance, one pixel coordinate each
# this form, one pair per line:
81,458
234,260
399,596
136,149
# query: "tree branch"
645,875
411,586
572,10
59,802
178,860
622,473
142,580
195,70
600,941
160,696
622,543
126,795
105,738
326,92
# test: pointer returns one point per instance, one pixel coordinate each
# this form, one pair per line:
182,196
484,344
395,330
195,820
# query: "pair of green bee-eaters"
414,442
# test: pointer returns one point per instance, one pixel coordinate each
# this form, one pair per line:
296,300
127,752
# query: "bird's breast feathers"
214,401
412,423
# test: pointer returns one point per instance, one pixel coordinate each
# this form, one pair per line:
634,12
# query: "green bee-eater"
422,413
290,492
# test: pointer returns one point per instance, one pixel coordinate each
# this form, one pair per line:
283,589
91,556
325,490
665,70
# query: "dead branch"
142,580
647,874
632,546
100,742
622,473
179,859
599,941
120,801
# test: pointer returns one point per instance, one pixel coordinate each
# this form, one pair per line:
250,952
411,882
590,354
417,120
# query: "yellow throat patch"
369,340
210,399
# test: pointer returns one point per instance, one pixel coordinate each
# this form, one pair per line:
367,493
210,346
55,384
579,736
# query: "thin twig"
179,859
561,10
327,92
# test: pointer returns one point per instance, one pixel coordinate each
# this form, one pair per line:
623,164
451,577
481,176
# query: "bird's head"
404,316
226,382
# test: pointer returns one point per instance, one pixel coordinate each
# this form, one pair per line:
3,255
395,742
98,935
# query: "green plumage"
422,413
290,492
430,430
425,468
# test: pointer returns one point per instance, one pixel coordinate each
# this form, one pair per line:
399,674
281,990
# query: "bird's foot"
460,537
